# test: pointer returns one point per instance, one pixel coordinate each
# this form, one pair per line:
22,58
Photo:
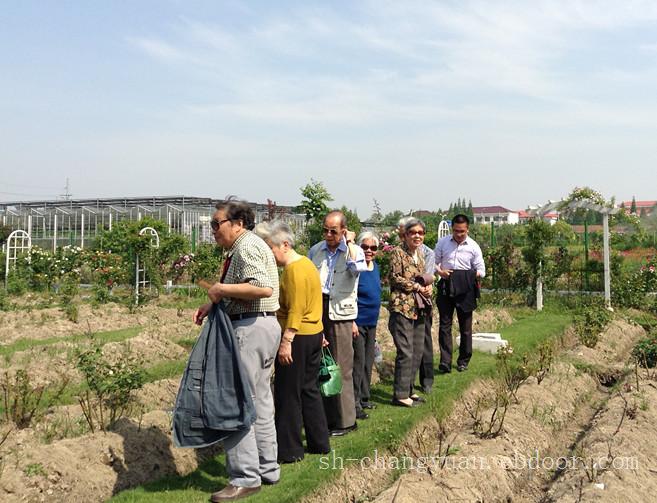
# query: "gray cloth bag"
214,399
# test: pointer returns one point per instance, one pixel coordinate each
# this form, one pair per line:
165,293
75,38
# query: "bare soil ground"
569,408
568,418
56,458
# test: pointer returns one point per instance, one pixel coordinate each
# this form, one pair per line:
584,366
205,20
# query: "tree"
633,206
392,219
376,212
315,198
353,222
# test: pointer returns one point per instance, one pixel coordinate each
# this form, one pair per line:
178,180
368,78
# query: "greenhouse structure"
77,222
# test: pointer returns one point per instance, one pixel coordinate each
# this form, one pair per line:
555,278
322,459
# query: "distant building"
497,214
648,207
550,217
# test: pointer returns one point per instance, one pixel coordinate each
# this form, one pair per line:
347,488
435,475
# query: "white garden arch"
141,280
443,229
18,242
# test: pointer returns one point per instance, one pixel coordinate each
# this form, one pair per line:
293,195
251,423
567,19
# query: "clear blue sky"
411,103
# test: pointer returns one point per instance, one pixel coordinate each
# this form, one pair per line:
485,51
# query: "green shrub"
590,322
109,396
5,305
68,290
17,282
23,401
645,352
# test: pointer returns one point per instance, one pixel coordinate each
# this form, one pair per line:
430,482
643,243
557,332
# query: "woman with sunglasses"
406,318
369,303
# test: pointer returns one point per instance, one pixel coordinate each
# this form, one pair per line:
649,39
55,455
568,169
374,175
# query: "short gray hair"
276,232
262,230
413,222
403,221
367,235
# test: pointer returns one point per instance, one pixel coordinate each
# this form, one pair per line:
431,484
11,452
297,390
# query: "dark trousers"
298,401
426,365
408,336
446,308
340,409
363,362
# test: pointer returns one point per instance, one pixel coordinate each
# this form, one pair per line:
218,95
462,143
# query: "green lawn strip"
383,431
102,337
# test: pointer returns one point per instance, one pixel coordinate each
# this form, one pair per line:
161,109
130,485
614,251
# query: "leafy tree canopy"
315,198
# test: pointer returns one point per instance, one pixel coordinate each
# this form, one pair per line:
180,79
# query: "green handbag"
330,375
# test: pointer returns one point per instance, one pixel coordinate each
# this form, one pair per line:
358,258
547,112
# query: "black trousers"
363,362
298,401
446,308
426,365
408,336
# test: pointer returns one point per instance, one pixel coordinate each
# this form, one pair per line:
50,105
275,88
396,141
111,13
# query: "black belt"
246,316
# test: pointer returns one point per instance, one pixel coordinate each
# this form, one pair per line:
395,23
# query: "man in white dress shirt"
459,263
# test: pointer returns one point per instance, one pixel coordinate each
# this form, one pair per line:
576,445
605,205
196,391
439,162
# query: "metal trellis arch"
141,281
18,242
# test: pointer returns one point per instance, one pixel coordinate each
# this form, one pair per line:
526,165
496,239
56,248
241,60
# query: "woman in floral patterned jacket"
406,320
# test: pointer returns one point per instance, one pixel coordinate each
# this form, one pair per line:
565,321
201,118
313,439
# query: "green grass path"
384,430
102,337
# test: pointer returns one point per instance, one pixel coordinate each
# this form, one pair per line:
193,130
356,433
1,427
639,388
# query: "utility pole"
66,196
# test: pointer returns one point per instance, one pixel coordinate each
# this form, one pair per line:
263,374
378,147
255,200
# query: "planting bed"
57,458
571,419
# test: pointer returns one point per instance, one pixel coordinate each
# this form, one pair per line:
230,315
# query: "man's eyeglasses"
332,232
373,247
216,224
415,233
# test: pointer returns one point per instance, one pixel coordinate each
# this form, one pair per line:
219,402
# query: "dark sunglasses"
216,224
332,232
415,233
373,247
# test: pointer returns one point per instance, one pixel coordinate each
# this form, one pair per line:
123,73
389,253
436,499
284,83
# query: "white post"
605,246
82,233
29,224
7,266
539,288
54,235
137,280
110,221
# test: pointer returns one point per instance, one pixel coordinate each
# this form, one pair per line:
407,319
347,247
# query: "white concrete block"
486,342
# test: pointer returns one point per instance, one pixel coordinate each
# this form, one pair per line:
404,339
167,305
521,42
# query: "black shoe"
269,482
318,451
368,405
341,432
361,414
285,461
444,369
462,368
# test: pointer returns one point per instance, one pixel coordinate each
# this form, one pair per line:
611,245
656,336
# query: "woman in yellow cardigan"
296,392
